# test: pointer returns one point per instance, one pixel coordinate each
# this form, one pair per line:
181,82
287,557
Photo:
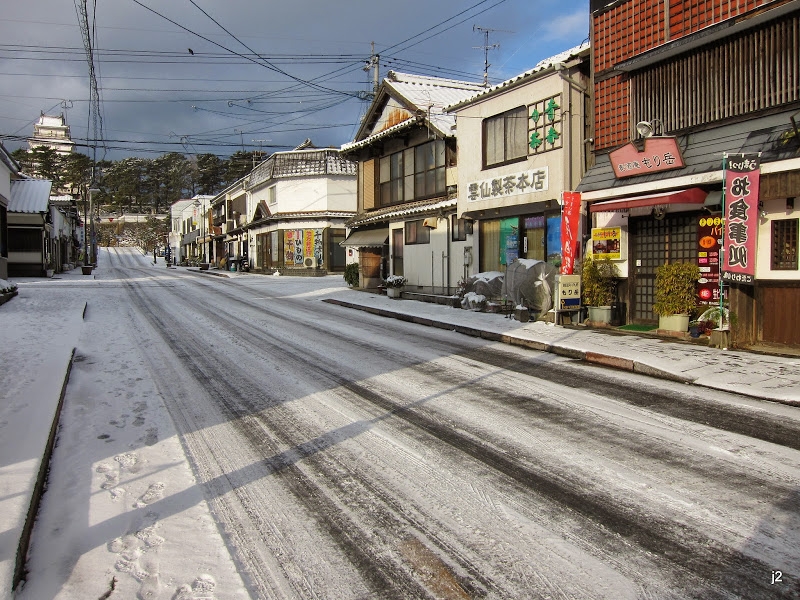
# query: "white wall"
775,209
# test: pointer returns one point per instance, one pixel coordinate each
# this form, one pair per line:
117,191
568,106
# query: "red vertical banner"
740,232
570,221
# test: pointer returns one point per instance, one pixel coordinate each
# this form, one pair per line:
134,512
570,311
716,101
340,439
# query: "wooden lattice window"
784,245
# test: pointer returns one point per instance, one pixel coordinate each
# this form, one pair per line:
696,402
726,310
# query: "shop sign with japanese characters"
569,292
504,186
709,237
607,242
659,154
740,228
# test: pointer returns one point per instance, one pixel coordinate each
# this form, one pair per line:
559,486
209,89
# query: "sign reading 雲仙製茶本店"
607,242
659,154
740,227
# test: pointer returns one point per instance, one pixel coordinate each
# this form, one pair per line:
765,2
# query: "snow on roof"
542,65
402,211
303,162
30,195
429,96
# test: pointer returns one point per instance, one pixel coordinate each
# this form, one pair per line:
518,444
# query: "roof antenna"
486,47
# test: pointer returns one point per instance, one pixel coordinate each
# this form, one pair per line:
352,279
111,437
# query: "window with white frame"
272,195
505,137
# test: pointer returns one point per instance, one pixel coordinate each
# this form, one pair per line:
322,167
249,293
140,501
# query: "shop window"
24,240
412,174
784,245
417,233
461,228
505,137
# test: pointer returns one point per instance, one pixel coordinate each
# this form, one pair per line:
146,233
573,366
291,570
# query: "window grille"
784,245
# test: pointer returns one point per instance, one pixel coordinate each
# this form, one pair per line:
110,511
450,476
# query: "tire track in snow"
498,462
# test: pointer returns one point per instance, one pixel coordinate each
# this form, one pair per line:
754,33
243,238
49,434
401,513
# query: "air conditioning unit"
310,262
430,222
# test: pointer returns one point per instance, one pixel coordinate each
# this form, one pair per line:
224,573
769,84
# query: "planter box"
87,269
600,314
720,338
204,266
394,292
522,315
674,323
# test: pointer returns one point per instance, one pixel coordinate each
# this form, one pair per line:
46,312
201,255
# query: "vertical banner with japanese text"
742,175
570,219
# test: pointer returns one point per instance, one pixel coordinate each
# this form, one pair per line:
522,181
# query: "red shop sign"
659,154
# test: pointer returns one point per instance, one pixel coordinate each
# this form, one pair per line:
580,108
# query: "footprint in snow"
201,589
154,492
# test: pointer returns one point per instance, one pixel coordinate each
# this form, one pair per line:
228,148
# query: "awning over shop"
372,238
190,238
688,199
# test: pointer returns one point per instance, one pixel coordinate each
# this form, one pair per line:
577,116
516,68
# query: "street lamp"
91,250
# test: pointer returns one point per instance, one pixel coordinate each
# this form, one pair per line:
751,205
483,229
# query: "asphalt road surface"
345,455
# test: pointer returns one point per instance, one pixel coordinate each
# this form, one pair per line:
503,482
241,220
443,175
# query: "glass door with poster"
397,251
533,241
654,242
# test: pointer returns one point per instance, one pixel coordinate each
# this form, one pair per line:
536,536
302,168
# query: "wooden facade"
747,73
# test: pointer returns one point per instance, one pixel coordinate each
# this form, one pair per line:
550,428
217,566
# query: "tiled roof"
702,152
540,66
303,163
411,208
30,195
427,95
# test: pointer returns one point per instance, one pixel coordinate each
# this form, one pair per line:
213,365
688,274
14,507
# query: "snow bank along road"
343,455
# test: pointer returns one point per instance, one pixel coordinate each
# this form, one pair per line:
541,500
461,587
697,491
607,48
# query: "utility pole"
374,65
486,47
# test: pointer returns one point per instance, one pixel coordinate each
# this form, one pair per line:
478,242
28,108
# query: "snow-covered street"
235,438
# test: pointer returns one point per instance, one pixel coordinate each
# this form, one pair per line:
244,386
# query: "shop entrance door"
653,243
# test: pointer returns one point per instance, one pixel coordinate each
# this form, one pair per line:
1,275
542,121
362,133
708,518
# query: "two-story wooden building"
407,185
683,90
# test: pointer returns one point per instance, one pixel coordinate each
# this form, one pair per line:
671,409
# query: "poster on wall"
554,243
709,234
299,244
607,242
570,218
742,176
509,240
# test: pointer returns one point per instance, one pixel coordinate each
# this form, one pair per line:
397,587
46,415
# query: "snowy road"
344,455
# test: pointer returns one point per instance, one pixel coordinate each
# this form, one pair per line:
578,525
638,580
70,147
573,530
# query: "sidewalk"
756,375
38,333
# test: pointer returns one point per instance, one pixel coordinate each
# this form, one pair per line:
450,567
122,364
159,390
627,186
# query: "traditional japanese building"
683,93
408,185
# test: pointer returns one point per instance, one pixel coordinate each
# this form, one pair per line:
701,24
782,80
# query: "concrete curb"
597,358
41,480
41,477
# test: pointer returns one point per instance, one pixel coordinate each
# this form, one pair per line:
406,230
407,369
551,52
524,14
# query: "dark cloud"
281,73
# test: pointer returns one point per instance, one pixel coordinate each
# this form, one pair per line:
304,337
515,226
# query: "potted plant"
394,285
351,274
598,285
676,295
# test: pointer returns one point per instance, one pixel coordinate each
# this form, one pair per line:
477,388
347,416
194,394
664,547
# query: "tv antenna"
486,47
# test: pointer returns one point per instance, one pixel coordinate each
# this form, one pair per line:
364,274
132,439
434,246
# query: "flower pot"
87,269
394,292
674,322
600,314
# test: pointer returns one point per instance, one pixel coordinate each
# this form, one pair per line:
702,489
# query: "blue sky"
260,75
